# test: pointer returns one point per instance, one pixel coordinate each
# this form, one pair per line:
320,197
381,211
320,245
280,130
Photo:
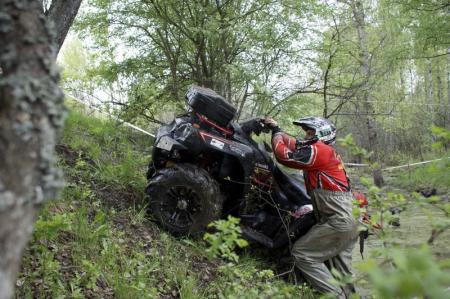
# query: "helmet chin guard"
325,130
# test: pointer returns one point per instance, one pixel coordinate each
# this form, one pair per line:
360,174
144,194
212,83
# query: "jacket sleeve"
287,154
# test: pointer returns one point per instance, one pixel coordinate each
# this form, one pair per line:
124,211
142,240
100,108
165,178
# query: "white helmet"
325,130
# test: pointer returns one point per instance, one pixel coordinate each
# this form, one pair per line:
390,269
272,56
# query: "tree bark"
244,99
31,115
359,16
441,116
62,13
429,89
447,117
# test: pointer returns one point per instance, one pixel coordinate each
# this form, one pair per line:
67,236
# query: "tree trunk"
447,117
62,13
31,115
244,99
429,89
441,116
358,16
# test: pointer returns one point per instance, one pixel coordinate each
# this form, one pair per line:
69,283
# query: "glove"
271,124
252,126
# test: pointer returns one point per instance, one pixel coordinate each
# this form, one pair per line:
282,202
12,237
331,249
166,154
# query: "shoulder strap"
347,188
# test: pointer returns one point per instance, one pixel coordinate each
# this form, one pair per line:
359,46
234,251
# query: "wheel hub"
182,204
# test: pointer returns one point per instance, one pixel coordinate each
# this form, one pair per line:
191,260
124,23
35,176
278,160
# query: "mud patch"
70,156
119,198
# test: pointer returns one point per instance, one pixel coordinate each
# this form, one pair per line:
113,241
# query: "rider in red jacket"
322,166
333,237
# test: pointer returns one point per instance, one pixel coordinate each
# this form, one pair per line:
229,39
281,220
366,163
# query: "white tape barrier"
112,116
414,164
397,167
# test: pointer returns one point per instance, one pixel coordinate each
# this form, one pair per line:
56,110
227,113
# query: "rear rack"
205,120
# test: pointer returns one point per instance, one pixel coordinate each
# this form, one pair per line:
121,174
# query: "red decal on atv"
255,180
203,119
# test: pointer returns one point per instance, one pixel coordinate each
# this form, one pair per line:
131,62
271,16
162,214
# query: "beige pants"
332,238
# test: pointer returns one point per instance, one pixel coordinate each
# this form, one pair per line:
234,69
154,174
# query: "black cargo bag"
208,103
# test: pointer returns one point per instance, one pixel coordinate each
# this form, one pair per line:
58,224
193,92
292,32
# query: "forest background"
378,69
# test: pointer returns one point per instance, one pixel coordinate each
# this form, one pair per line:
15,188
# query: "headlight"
165,143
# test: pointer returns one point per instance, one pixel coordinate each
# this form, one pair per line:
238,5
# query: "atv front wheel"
184,199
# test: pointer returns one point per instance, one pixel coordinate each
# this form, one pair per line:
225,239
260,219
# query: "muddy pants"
332,238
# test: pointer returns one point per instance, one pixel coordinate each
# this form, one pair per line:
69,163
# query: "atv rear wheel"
184,199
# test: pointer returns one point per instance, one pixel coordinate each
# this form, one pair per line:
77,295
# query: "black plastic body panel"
208,103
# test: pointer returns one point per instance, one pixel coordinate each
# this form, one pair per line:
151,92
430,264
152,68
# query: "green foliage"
442,137
223,242
355,150
51,227
245,280
77,66
402,91
242,278
427,21
414,273
230,46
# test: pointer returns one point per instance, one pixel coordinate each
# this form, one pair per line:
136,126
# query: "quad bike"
205,167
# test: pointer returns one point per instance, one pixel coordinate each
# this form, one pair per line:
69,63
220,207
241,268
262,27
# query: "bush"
225,240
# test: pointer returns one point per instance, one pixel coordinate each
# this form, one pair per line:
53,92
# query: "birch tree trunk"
364,61
31,115
441,117
447,117
429,89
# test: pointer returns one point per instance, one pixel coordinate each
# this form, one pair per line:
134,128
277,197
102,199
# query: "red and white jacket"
321,165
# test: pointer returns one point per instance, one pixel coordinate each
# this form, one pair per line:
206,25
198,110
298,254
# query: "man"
333,237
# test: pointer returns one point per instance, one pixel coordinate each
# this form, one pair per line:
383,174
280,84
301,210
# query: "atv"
205,167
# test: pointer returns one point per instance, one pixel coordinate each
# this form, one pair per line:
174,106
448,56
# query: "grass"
434,175
97,241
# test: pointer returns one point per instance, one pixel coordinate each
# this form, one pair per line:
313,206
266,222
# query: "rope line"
397,167
414,164
112,116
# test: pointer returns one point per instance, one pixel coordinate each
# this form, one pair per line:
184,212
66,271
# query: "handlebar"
255,125
265,127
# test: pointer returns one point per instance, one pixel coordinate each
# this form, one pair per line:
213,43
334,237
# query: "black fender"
243,153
